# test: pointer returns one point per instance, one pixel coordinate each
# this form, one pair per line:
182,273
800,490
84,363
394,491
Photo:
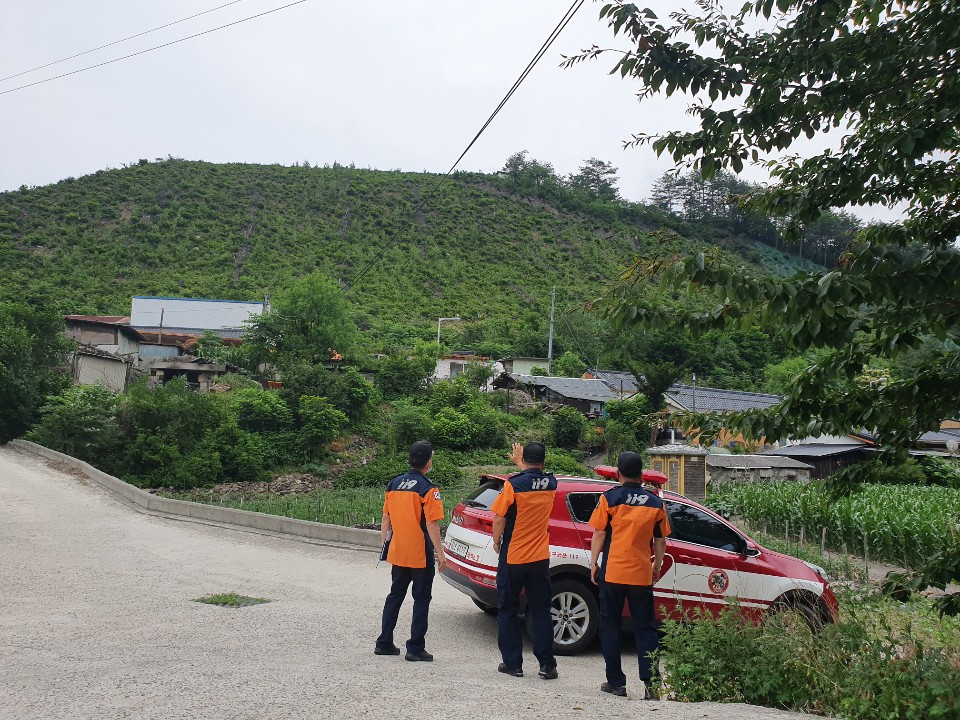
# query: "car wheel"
795,613
576,617
488,609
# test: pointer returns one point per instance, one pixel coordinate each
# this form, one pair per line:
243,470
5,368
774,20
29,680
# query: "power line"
157,47
117,42
564,21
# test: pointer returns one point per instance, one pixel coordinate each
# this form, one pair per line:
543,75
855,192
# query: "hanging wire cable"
157,47
564,21
117,42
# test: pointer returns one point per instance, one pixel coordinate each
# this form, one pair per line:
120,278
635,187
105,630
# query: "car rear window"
484,495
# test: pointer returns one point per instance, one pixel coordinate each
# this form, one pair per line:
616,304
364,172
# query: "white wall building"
191,313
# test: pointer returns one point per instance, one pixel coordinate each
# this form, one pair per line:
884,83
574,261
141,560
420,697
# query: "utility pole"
160,334
694,392
553,302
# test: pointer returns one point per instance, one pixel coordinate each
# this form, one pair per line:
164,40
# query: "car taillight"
469,521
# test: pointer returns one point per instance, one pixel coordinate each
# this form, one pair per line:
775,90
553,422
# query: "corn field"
899,524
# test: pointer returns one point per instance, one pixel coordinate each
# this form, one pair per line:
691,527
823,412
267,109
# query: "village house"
588,396
155,339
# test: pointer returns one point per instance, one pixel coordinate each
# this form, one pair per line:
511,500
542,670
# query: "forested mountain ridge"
484,247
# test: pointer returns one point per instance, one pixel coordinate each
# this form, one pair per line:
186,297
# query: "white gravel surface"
97,621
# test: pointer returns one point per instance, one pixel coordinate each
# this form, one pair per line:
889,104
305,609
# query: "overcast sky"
384,84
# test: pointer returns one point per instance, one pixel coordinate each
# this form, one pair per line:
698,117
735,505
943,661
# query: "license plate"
458,548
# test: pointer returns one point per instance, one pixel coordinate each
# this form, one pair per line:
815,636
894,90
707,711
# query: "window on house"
457,368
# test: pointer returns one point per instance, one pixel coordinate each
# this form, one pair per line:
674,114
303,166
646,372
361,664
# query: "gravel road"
97,621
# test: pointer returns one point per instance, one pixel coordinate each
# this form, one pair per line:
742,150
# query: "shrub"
409,423
379,471
452,393
243,455
80,422
940,471
261,410
561,462
860,668
452,429
567,427
320,423
488,427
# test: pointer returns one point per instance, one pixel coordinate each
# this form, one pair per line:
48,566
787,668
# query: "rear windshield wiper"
474,503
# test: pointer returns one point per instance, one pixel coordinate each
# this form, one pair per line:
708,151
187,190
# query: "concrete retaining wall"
240,519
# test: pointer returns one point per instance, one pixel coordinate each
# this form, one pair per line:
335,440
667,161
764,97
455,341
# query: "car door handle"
689,560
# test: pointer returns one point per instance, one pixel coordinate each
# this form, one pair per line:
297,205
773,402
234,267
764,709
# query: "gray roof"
815,450
222,332
574,388
617,380
677,449
940,437
707,399
756,462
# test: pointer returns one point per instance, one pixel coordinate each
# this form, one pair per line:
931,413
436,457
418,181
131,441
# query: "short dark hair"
630,465
535,453
420,453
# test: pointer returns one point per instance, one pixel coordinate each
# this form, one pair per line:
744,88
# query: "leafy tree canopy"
887,73
32,350
310,322
598,177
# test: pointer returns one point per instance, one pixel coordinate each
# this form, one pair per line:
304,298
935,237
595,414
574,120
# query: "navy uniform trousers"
422,581
639,599
534,579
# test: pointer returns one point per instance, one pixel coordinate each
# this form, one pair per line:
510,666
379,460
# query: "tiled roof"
939,437
677,449
107,319
617,380
706,399
574,388
755,461
814,450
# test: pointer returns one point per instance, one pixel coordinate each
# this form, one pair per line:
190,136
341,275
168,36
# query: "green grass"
346,506
230,600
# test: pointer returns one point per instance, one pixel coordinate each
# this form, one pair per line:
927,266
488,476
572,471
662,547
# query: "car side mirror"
750,552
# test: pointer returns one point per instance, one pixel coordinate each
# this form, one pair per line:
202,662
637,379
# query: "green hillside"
481,249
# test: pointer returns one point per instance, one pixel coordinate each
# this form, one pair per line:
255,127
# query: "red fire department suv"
707,562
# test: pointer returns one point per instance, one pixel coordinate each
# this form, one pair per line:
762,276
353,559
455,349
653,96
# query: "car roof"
573,483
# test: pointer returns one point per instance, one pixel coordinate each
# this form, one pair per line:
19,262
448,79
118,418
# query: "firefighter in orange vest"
628,520
521,538
412,511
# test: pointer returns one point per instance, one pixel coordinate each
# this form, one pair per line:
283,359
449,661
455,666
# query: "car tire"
490,610
795,611
575,603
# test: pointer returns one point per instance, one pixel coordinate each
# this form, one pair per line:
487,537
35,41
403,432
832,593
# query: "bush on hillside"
261,410
320,423
408,424
567,427
80,422
385,466
854,669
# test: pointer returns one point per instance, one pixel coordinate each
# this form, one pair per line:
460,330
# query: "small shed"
827,458
90,365
587,396
522,365
200,373
754,468
685,467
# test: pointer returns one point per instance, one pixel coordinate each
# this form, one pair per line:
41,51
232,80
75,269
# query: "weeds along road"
97,621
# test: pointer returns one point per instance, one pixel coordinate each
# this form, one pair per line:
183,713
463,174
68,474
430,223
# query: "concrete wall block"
210,513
